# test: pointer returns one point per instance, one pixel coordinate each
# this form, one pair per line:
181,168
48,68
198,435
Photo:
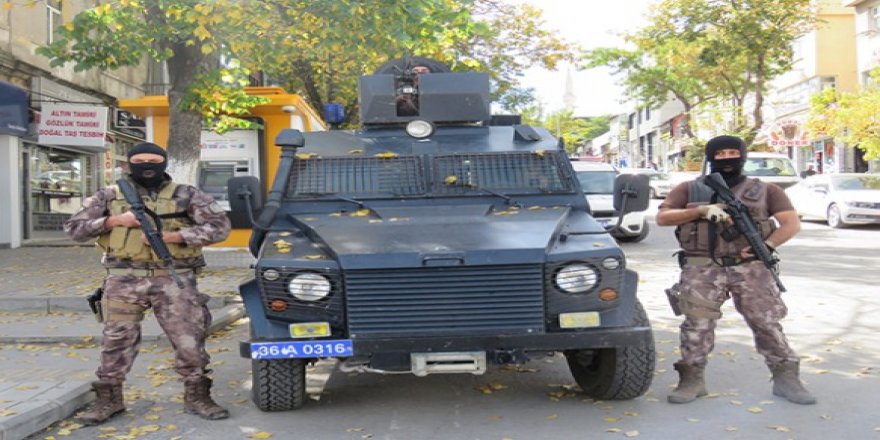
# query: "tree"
575,131
321,48
718,52
191,37
850,117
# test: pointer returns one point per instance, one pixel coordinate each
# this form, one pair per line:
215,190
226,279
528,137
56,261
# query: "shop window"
58,181
875,18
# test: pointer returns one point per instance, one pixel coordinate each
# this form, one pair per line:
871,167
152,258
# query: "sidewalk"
43,307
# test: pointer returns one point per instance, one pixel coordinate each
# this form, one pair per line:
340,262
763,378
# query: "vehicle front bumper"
606,337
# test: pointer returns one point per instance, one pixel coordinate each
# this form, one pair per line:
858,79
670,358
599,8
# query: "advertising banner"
788,133
72,125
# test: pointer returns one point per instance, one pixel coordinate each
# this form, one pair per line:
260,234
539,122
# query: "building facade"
48,169
867,38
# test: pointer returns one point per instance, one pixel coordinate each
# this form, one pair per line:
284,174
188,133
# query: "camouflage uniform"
756,298
182,313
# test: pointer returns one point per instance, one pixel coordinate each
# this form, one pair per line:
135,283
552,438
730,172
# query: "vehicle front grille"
442,301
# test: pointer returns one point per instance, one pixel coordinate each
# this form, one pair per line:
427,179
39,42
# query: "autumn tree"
575,131
850,117
712,52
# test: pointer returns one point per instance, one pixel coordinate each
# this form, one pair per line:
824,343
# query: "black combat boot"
787,383
691,384
109,403
197,400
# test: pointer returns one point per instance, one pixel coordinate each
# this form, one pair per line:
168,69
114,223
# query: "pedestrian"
808,172
137,279
713,270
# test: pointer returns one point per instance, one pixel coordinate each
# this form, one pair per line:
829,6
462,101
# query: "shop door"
25,188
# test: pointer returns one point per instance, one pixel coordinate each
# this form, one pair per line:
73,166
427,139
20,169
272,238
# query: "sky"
591,23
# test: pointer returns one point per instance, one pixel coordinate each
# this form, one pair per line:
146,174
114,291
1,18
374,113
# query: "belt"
721,261
124,271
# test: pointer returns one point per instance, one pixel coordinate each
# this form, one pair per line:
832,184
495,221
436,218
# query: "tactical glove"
714,213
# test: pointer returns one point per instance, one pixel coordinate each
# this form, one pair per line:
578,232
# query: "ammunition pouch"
673,295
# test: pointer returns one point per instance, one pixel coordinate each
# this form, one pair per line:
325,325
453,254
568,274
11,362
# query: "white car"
597,181
659,181
840,199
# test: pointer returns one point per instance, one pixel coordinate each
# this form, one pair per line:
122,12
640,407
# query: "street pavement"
49,338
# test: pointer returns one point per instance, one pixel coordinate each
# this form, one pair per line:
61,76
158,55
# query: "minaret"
568,97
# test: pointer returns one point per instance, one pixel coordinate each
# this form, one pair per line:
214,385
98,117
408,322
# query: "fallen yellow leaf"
261,434
450,180
386,155
631,433
354,430
284,234
539,153
553,417
613,430
780,428
611,419
756,410
731,429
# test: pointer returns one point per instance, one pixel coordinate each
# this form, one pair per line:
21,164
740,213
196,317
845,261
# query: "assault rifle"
153,234
744,223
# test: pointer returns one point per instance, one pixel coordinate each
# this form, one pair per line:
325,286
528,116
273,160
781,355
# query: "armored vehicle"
431,241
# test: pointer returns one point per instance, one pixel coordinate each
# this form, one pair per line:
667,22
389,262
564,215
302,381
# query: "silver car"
840,199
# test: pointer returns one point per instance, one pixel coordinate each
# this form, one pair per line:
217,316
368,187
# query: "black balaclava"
730,169
148,175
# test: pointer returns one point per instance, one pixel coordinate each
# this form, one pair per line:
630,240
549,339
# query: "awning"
13,110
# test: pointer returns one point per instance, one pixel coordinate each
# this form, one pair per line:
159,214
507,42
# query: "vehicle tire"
834,219
620,373
635,238
278,384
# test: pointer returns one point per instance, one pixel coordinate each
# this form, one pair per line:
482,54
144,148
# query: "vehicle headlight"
577,278
309,287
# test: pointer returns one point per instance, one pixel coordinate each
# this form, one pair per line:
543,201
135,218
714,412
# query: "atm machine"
232,154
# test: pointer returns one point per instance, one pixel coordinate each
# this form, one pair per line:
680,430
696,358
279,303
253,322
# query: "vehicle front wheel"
634,238
278,384
834,218
619,373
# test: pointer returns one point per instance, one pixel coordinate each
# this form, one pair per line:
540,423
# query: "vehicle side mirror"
245,200
631,193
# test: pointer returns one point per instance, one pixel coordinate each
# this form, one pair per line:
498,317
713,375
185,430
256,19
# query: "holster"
94,300
673,295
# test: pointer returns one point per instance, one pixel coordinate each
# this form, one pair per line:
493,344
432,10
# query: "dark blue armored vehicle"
431,241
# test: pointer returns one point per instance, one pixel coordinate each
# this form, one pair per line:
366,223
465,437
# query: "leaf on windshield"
539,153
314,257
375,220
360,213
356,151
283,246
450,180
386,155
307,156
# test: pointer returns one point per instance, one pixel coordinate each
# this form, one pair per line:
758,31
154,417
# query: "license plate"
301,349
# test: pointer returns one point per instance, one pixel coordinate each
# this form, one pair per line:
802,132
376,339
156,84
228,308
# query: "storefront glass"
59,180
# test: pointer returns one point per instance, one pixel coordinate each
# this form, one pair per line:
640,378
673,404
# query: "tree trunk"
184,126
757,113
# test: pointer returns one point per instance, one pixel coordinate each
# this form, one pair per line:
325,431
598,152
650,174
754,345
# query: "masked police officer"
713,270
137,280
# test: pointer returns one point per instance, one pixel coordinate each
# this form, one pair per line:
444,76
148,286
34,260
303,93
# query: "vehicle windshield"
418,176
856,182
768,166
597,182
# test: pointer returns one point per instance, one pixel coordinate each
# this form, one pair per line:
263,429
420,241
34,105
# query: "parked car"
597,181
840,199
659,181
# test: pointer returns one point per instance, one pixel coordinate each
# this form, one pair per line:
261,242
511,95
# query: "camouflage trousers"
182,313
755,297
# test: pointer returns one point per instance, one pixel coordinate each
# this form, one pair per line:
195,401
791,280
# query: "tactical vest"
695,237
126,244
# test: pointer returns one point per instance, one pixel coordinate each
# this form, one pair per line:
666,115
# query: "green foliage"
850,117
575,131
705,52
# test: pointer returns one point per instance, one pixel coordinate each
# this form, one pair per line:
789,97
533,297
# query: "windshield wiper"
321,196
506,197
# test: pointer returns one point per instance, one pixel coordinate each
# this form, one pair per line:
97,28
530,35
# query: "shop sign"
13,110
788,133
72,125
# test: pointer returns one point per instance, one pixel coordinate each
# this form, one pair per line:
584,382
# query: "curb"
221,318
37,409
